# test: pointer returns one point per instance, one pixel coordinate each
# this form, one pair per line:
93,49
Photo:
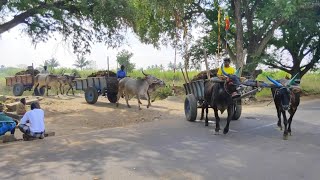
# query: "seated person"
32,123
121,73
7,124
21,107
227,68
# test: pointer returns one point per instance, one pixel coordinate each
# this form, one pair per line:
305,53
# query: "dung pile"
103,73
203,74
29,71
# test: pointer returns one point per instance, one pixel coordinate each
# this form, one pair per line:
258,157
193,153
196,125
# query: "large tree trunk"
239,61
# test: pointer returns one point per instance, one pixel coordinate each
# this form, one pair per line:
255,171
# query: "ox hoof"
206,124
129,106
289,133
225,131
285,137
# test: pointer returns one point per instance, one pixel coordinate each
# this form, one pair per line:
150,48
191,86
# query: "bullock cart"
195,97
23,82
96,86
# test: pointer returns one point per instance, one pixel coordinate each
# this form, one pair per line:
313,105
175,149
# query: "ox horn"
274,82
292,80
144,73
238,72
222,69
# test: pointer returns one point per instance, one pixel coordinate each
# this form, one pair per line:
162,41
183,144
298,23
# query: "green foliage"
123,58
81,62
80,22
169,77
300,38
51,63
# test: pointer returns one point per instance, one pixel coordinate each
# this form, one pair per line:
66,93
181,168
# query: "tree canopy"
81,62
300,38
123,58
80,22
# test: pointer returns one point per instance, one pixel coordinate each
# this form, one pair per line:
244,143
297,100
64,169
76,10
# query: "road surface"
172,148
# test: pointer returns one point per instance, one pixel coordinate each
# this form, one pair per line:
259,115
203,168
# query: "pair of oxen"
57,82
218,96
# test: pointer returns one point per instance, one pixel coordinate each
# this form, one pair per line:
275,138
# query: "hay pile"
103,73
29,71
203,74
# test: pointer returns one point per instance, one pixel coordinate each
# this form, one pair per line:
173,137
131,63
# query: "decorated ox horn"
292,80
274,82
222,69
144,73
238,72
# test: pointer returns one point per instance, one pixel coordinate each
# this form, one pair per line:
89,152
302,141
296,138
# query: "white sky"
16,48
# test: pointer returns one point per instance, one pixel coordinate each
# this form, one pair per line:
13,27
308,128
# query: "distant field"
309,83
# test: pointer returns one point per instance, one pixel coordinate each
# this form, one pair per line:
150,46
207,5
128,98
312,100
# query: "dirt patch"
71,114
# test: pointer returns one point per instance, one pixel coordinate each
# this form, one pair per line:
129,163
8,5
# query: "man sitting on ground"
7,124
21,107
32,123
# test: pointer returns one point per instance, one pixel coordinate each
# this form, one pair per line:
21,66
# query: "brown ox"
47,80
136,87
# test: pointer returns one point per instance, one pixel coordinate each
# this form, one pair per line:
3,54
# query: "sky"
16,48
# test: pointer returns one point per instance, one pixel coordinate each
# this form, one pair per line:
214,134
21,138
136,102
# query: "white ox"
137,87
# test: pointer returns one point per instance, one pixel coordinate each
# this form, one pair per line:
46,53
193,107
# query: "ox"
136,87
46,80
218,95
67,80
286,98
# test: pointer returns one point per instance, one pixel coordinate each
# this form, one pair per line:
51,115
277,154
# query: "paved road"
176,149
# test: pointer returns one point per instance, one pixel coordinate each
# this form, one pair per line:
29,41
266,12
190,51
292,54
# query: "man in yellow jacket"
227,68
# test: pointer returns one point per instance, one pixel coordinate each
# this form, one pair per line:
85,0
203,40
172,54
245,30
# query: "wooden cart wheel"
112,97
237,110
18,89
91,95
190,107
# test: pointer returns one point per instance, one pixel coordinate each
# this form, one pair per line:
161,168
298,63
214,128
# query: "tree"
81,62
171,66
179,66
123,58
51,63
300,39
255,23
80,22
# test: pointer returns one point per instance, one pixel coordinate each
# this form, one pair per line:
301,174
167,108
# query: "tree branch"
18,19
21,18
268,36
276,66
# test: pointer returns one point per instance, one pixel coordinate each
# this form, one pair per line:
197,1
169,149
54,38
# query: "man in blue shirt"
121,73
7,124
